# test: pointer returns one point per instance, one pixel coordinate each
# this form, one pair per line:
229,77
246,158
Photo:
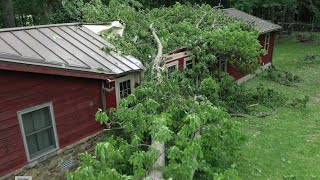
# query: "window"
125,88
172,66
222,65
38,130
188,63
266,42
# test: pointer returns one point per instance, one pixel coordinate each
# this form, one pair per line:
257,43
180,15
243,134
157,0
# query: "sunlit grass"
287,144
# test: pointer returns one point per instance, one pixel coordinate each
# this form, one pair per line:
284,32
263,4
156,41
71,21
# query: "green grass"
286,145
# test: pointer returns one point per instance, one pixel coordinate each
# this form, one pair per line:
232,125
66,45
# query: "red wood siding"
111,99
267,58
180,62
75,102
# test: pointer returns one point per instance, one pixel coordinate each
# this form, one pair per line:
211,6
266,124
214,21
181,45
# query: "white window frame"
267,42
123,79
53,121
185,62
173,63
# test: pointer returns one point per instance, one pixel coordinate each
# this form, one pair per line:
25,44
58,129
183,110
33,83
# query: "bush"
282,77
311,59
307,37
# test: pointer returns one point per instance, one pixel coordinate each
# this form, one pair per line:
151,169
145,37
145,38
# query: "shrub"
311,59
307,37
282,77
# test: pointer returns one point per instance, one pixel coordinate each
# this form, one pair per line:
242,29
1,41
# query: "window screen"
266,42
189,64
38,131
125,88
172,68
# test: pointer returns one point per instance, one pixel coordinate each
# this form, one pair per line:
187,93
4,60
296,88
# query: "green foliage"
310,59
238,98
281,77
307,37
177,27
102,117
230,174
151,112
300,102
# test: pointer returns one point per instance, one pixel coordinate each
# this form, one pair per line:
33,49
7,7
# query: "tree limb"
259,115
200,21
195,135
157,59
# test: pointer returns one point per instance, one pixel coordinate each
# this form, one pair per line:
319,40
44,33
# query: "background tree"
7,13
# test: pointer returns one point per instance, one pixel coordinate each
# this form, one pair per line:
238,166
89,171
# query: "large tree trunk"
7,14
283,19
155,172
49,8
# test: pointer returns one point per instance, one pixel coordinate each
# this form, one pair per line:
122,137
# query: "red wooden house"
53,79
179,59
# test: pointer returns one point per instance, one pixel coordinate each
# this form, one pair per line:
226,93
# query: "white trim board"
185,62
120,80
173,63
175,56
250,76
53,121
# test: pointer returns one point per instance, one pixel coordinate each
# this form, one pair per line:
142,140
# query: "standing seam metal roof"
63,46
261,25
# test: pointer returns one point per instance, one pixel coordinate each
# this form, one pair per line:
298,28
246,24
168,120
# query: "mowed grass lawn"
286,145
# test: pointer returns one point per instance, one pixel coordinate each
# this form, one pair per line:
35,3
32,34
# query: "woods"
36,12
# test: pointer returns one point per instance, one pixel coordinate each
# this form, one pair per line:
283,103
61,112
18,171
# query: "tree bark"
283,19
7,14
156,172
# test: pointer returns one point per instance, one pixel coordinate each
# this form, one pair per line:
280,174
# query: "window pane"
41,118
125,88
45,138
189,64
171,69
32,144
27,123
128,84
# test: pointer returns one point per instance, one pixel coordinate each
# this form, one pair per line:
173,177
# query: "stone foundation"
57,164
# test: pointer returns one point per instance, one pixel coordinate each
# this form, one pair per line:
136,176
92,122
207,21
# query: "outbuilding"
53,79
180,58
267,33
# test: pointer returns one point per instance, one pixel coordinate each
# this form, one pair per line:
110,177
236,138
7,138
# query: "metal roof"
69,46
261,25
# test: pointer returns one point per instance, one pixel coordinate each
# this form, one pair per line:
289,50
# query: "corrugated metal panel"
63,45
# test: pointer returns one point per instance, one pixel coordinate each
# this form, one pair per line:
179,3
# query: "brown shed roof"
69,46
261,25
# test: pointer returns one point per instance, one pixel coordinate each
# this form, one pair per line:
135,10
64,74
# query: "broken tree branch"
157,59
201,20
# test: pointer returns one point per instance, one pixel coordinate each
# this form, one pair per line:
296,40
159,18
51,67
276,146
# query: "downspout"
105,90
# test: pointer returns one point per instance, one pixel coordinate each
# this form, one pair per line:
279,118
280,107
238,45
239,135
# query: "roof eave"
270,30
51,70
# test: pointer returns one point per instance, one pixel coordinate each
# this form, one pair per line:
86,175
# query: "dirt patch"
314,137
316,98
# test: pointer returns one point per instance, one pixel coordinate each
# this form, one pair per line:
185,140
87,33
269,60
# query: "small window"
125,88
223,65
189,64
266,42
172,66
38,130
